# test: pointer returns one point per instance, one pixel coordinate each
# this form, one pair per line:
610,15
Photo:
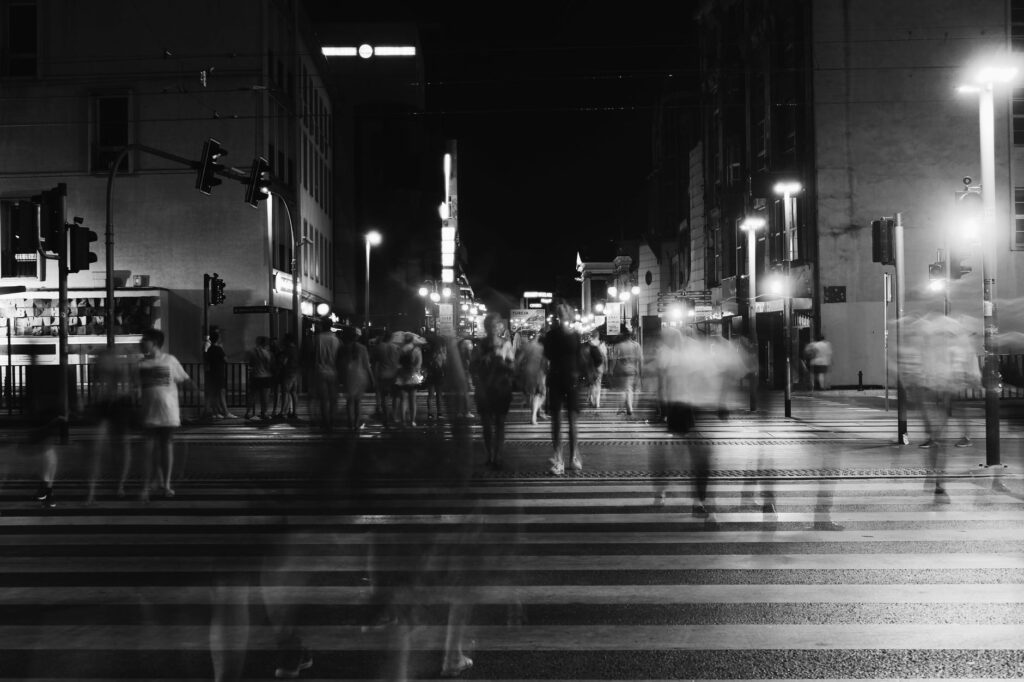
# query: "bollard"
860,380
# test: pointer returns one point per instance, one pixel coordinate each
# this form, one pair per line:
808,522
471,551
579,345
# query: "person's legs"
499,437
229,630
486,428
412,405
167,459
264,398
631,382
126,462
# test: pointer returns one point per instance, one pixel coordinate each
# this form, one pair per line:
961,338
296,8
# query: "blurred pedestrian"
288,367
531,366
323,371
115,408
625,362
819,359
598,365
216,378
409,377
493,371
435,357
358,376
386,369
160,374
465,348
562,350
261,372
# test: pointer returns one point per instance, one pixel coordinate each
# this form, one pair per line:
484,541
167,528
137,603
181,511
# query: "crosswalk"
555,579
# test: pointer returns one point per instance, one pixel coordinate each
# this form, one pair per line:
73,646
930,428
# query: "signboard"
282,282
446,319
246,309
613,313
527,318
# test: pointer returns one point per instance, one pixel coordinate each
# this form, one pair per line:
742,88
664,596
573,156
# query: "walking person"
261,372
626,359
493,371
598,363
288,367
409,377
115,407
160,374
323,371
562,350
819,358
385,369
435,357
358,375
532,368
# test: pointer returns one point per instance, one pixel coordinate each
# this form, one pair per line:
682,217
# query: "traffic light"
80,255
937,271
882,250
207,179
51,216
216,290
259,177
956,267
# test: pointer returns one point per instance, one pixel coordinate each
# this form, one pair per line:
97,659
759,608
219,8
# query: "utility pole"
901,394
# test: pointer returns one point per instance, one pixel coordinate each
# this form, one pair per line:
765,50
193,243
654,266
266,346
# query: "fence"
13,379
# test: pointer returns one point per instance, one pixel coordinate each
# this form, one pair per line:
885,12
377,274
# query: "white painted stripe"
538,638
544,594
913,538
525,563
679,515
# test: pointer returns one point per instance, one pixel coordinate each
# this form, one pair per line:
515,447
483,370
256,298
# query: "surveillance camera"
968,180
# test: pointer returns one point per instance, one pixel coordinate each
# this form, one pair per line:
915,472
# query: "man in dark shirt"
562,349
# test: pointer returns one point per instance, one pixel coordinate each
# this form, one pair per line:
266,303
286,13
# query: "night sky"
551,104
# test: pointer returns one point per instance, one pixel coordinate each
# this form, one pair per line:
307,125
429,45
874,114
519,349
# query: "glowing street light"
435,297
613,292
423,292
372,238
599,308
985,79
751,225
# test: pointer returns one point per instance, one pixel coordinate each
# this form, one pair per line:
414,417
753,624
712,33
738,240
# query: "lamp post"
372,238
787,190
751,225
985,80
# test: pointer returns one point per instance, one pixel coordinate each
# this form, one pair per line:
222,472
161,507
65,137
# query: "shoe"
168,493
216,417
230,416
557,466
45,496
941,497
620,412
457,668
699,510
577,463
964,442
768,509
292,663
928,444
826,525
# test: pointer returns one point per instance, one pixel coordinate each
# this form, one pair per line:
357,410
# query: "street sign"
446,319
248,309
527,318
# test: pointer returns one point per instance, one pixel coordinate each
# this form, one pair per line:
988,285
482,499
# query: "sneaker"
699,510
454,669
292,663
928,444
826,525
964,442
557,466
577,463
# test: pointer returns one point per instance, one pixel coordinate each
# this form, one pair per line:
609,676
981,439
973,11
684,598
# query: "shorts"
559,396
819,369
261,383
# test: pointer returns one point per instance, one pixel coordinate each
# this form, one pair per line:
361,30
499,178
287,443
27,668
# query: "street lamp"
985,80
751,225
372,238
787,189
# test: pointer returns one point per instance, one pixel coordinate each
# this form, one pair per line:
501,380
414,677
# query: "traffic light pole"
62,307
901,392
991,379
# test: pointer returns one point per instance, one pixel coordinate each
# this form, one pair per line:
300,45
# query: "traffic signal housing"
882,238
51,216
206,178
259,178
216,290
937,271
957,269
80,255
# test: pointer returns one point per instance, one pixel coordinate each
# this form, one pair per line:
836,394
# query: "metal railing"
14,381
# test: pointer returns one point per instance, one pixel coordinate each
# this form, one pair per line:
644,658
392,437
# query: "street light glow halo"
995,74
373,238
788,187
752,223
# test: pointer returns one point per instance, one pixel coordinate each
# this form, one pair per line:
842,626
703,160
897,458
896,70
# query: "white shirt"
159,377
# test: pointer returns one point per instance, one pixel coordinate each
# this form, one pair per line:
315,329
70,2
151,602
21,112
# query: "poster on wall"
446,319
527,319
613,311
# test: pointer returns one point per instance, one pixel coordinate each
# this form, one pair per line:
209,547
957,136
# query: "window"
21,40
1017,45
111,131
19,239
1018,215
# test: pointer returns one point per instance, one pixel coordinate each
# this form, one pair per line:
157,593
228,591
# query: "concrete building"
81,82
857,102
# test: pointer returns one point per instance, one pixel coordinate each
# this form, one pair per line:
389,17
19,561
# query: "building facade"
79,87
857,103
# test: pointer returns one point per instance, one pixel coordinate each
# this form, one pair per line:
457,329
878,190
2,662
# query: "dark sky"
551,105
